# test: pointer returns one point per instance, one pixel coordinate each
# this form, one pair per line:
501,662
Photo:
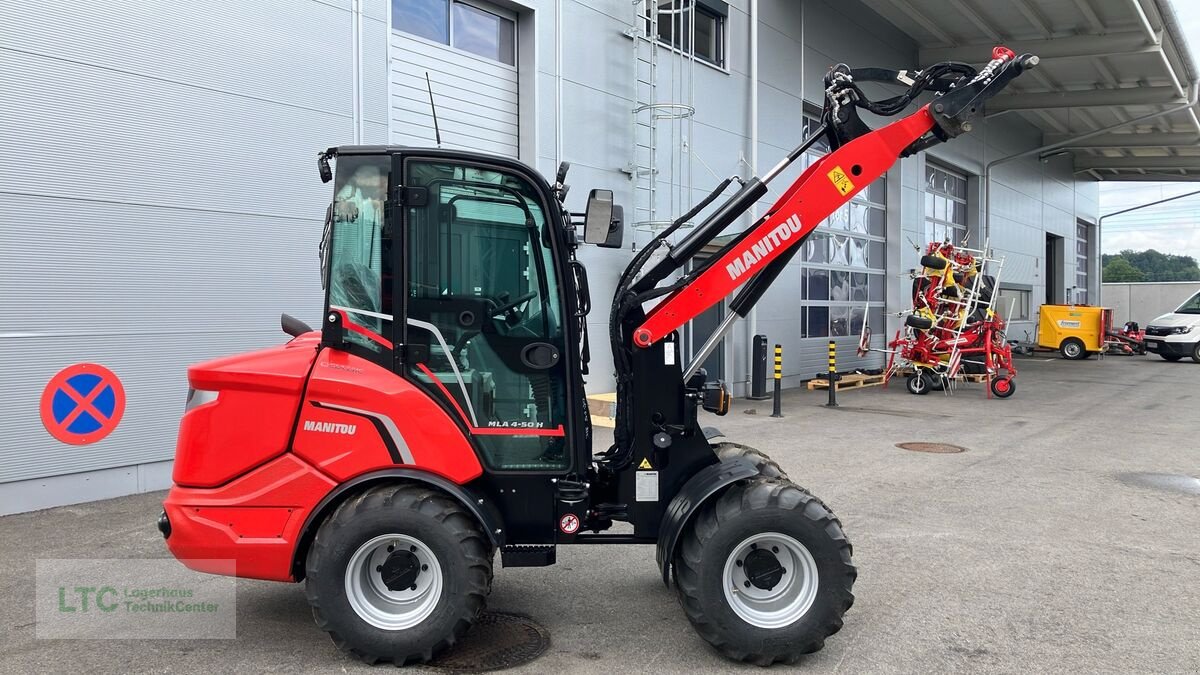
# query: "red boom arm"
826,185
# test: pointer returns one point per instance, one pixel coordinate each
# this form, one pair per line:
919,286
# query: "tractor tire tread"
407,497
766,466
751,495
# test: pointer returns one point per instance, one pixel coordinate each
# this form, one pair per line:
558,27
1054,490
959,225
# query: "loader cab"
447,268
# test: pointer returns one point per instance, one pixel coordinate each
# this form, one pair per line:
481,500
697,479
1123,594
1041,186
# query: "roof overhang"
1106,67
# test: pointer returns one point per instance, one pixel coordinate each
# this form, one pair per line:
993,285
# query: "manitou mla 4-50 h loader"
438,414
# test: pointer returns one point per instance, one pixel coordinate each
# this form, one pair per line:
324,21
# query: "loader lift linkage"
438,414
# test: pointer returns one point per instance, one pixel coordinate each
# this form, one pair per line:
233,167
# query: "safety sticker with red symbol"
82,404
569,523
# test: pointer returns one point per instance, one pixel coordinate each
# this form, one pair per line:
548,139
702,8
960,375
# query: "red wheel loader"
437,415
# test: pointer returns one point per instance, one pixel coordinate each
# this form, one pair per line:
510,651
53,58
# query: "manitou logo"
762,247
330,427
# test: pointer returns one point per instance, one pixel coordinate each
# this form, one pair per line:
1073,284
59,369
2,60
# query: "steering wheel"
508,307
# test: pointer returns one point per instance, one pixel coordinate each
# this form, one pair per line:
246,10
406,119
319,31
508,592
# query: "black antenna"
437,133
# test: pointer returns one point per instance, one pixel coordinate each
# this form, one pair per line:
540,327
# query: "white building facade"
162,206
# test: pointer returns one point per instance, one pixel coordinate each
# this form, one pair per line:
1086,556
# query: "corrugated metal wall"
476,98
160,199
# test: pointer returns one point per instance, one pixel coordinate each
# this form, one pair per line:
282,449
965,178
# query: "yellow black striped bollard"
776,408
833,376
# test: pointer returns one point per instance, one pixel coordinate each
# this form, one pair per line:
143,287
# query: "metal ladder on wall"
661,176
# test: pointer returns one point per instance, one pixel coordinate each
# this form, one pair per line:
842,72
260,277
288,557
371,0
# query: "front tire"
1003,387
1171,357
1196,353
917,384
785,554
767,467
398,573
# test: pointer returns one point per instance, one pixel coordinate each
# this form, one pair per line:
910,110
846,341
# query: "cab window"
484,303
357,251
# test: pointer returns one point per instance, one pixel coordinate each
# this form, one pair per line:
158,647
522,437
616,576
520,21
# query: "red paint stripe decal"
487,431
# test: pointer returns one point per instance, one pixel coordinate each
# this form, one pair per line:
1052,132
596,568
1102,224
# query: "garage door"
468,50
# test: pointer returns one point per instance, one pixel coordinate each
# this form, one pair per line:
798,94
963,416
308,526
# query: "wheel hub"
400,570
763,569
393,581
770,580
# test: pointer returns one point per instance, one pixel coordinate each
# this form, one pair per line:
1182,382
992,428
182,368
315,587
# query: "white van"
1176,335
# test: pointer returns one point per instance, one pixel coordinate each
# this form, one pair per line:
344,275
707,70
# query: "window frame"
874,200
962,230
1082,260
1022,310
690,8
499,12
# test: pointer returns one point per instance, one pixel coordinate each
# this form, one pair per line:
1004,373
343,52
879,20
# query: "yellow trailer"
1076,331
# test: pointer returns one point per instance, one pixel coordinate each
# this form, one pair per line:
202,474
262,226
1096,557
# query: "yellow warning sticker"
841,181
645,465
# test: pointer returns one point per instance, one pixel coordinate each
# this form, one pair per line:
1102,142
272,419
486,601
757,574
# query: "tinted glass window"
484,33
429,19
358,255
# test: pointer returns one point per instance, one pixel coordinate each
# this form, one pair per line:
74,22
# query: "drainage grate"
939,448
497,641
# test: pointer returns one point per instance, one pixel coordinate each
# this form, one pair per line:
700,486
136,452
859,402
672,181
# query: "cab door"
484,317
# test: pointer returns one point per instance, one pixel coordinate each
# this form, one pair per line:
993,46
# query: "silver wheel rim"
1072,349
785,603
374,602
918,383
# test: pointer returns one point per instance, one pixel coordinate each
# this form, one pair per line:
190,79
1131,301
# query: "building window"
682,23
1014,301
844,263
475,28
1082,230
945,205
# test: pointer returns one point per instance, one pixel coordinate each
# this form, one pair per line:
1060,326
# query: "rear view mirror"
602,222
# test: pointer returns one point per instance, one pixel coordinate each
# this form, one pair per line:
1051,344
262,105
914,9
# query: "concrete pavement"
1031,552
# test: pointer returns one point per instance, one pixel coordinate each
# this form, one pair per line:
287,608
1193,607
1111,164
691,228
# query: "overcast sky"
1173,227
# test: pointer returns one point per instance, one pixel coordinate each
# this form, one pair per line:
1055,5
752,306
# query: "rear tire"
794,549
387,537
767,467
1072,349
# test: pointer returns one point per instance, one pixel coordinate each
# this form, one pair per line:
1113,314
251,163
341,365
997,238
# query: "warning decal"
645,465
841,181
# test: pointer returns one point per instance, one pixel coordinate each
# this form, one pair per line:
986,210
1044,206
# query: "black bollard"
833,376
777,407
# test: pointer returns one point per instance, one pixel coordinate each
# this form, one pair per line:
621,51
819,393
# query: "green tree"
1117,269
1153,266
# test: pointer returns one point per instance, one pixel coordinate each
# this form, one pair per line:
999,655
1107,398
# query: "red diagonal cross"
83,404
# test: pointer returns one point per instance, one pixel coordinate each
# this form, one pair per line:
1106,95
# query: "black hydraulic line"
712,226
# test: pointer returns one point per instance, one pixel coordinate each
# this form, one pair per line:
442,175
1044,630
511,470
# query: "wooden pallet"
848,381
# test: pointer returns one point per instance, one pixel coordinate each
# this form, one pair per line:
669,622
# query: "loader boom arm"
859,157
825,186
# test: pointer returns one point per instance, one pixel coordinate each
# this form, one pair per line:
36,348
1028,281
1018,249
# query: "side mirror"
323,167
602,222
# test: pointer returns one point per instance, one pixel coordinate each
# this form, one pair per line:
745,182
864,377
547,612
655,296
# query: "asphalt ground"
1033,551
